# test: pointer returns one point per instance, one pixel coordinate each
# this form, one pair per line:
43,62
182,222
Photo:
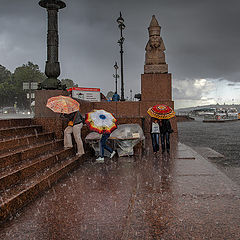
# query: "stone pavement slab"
208,152
176,196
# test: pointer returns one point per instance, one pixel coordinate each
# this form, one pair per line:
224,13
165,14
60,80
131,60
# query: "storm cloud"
201,38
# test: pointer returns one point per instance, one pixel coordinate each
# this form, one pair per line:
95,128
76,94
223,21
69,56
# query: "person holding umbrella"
164,113
155,132
103,146
165,130
69,108
104,123
75,124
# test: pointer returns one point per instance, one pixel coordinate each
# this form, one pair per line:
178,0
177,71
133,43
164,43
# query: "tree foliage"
69,83
11,84
110,95
5,75
6,87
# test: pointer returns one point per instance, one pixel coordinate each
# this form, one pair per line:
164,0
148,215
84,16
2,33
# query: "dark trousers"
165,141
103,145
155,141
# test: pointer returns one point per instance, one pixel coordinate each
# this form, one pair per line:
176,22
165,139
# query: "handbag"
70,123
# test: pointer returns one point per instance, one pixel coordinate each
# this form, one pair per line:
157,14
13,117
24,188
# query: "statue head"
154,33
154,28
154,41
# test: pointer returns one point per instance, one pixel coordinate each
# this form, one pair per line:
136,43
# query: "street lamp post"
52,67
30,94
116,76
130,94
121,26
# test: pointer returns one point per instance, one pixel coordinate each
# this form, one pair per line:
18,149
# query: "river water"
222,137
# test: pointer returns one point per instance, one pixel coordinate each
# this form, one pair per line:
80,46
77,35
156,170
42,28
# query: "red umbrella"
161,111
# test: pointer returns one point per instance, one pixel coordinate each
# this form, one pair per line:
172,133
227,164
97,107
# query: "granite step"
11,159
16,174
17,197
10,123
12,145
13,132
30,162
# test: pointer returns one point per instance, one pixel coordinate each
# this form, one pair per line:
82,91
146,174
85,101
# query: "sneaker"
100,159
112,154
67,147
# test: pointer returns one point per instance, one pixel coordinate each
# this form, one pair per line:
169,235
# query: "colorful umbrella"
63,104
161,111
101,121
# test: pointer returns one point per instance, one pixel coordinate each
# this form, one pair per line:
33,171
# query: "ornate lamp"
116,76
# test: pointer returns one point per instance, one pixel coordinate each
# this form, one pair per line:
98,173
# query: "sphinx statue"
155,56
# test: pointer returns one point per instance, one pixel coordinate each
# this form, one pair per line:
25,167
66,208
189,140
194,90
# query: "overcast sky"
202,40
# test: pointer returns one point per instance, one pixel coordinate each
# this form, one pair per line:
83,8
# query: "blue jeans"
103,145
165,138
155,141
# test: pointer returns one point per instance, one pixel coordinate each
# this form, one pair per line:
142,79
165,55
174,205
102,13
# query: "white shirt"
155,127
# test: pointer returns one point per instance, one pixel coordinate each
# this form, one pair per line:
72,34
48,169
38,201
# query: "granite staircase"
31,160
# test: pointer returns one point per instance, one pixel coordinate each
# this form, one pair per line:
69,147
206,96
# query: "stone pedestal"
156,87
44,116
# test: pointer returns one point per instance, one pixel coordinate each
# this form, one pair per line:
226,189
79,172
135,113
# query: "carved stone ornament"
155,56
160,68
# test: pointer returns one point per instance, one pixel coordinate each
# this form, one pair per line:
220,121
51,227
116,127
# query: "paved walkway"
181,196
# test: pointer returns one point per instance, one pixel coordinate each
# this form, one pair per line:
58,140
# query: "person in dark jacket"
103,146
155,132
165,130
74,126
115,97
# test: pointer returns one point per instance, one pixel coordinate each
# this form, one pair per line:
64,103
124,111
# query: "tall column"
52,67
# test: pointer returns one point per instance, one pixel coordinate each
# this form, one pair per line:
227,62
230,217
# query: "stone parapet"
41,97
128,109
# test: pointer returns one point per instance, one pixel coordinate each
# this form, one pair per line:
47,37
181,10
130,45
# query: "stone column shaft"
52,68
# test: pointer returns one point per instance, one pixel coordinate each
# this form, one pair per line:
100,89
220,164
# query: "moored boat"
222,115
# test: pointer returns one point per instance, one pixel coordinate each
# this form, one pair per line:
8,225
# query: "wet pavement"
176,196
221,137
